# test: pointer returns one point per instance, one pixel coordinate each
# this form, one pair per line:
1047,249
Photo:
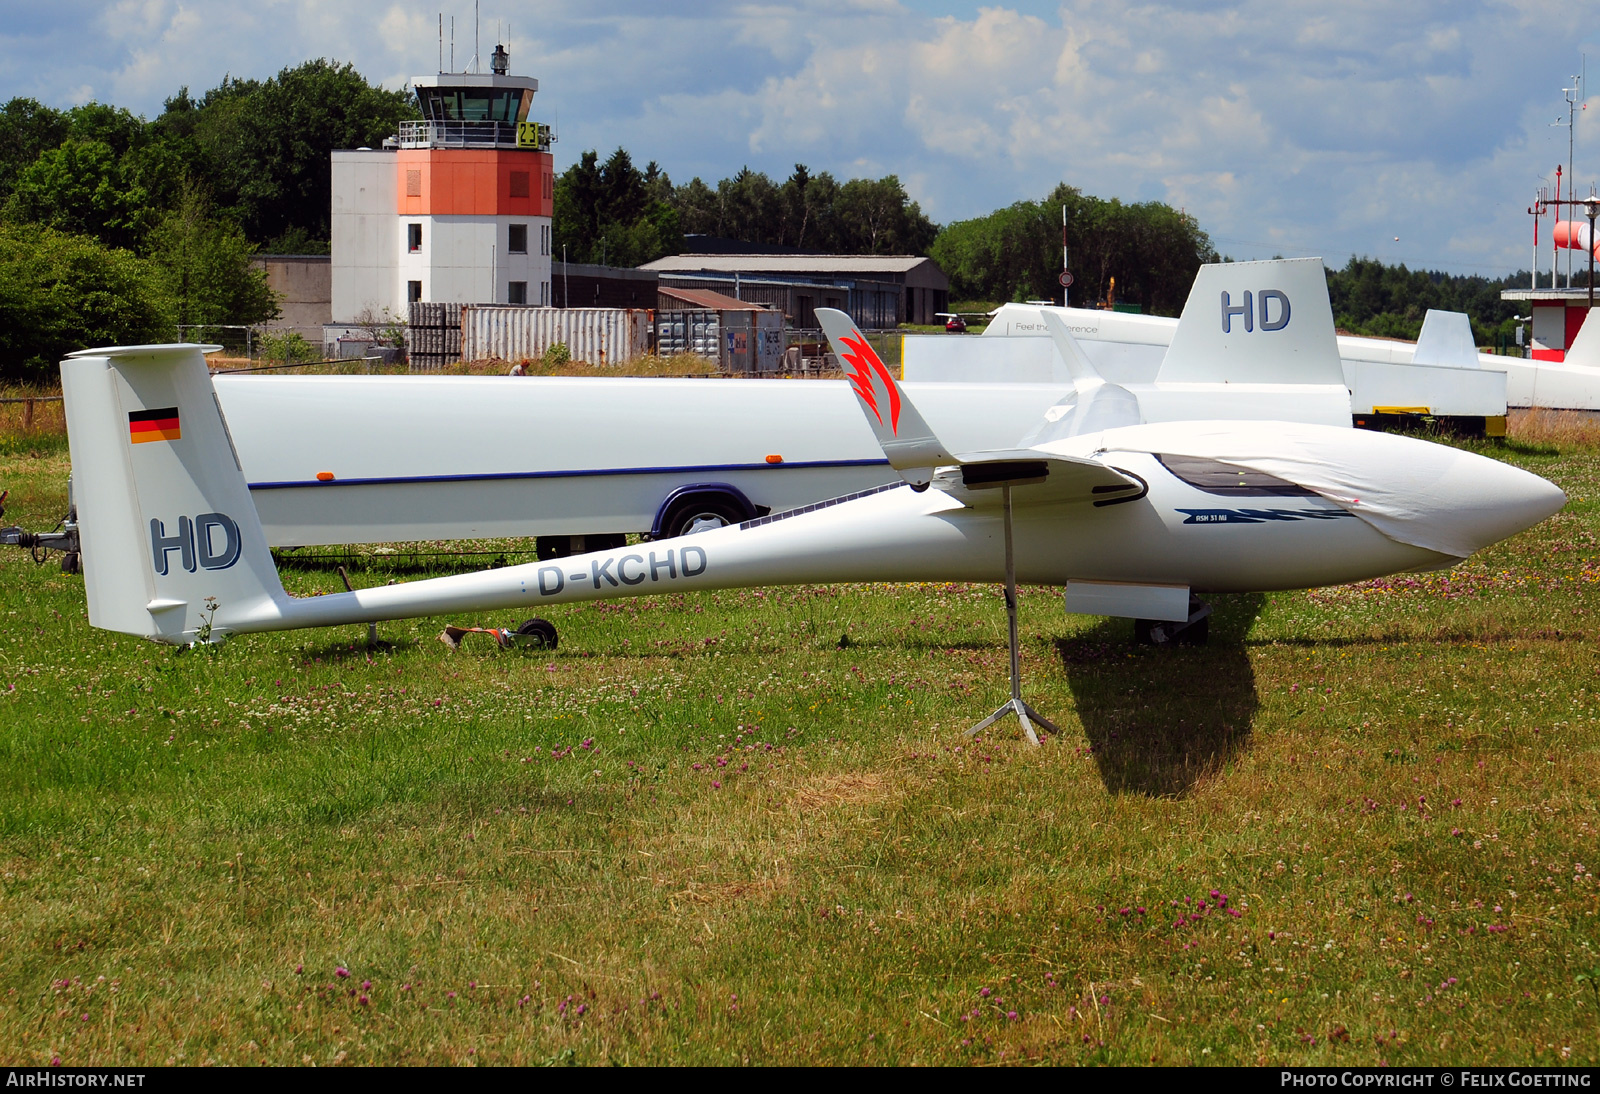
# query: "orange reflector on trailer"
774,458
324,476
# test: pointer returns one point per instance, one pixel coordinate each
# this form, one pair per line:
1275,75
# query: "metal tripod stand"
1016,704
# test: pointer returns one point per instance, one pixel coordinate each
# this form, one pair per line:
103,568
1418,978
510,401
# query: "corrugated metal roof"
829,264
705,298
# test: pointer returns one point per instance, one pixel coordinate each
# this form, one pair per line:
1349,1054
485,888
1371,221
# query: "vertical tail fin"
1094,405
1446,339
1256,322
165,516
1079,367
1585,346
907,440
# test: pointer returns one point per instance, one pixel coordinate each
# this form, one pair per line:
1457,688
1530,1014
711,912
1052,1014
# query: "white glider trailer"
1441,376
581,463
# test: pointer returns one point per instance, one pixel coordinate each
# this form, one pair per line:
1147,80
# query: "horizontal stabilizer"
1050,478
1446,340
1256,323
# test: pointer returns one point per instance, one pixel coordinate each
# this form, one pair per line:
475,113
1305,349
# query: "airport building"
454,209
878,291
1557,314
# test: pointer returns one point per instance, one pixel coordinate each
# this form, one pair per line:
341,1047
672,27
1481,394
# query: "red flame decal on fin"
861,379
862,358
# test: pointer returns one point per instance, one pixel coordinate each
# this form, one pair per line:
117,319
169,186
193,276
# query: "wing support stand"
1017,705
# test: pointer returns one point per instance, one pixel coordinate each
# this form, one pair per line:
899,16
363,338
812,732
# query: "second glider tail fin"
1265,322
904,435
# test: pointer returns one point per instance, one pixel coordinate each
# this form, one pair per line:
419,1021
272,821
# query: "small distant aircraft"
1132,519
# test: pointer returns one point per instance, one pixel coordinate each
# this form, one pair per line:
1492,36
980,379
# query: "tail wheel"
540,634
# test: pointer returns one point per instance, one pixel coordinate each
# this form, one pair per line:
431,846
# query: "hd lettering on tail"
210,541
1267,310
629,569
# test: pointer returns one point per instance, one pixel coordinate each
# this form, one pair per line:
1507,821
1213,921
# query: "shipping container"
689,332
597,336
752,341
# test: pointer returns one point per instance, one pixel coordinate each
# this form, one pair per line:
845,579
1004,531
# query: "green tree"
82,186
27,128
614,213
748,204
113,126
268,142
807,212
1372,298
877,216
1151,249
61,292
807,208
203,267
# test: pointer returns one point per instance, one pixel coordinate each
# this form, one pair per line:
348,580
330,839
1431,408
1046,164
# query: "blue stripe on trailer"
695,469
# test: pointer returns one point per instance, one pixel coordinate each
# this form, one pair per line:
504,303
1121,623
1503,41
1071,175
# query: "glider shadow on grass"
1159,720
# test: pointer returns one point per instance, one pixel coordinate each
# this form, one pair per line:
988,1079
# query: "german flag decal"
153,425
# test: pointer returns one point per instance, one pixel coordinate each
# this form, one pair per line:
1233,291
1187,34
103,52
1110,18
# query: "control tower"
455,208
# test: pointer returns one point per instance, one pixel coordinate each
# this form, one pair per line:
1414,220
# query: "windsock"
1575,234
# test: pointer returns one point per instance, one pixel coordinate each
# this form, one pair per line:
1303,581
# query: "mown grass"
745,827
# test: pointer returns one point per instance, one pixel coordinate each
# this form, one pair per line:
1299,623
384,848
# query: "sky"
1414,132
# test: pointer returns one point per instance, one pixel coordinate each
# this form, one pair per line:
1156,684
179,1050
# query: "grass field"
1358,827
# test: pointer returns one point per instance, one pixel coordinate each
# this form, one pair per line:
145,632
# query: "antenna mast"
474,36
441,41
1573,96
1066,287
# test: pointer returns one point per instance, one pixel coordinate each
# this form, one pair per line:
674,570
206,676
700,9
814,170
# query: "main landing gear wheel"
1166,632
539,634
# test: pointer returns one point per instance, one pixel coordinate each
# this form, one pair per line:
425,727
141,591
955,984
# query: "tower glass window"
461,104
413,291
518,243
414,238
517,292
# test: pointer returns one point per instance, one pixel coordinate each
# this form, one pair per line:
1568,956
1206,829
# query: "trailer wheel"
700,514
540,633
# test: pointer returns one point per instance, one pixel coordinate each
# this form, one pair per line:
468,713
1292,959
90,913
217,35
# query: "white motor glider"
1130,518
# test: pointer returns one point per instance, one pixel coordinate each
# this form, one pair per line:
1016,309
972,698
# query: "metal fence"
534,136
266,345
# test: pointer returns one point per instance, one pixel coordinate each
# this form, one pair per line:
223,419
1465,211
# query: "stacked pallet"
433,338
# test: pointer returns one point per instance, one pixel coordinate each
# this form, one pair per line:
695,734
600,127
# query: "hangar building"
878,291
